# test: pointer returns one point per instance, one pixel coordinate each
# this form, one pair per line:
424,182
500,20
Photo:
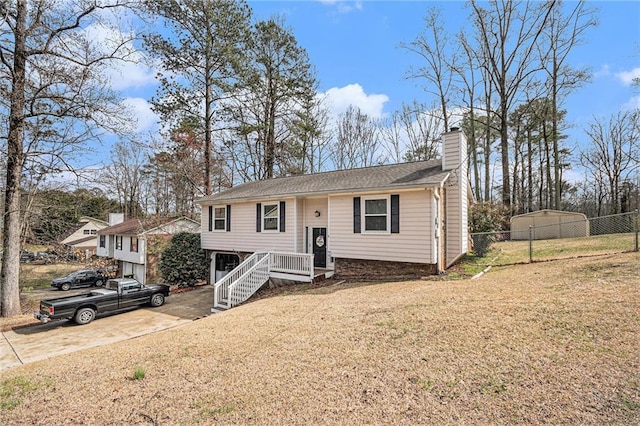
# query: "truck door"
133,294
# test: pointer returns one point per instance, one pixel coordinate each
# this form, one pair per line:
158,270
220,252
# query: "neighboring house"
137,243
396,220
82,237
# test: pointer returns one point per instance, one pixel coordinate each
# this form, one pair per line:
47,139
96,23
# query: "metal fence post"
530,243
635,228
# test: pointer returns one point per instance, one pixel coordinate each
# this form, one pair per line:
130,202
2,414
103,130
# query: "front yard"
555,342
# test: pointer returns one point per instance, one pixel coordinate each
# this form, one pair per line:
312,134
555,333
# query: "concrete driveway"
32,343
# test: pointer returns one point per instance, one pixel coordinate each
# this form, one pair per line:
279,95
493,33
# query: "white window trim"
264,205
213,220
363,215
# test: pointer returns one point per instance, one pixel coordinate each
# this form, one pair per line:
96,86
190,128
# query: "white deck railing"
241,283
291,263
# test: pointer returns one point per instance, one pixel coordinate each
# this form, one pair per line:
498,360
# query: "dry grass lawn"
555,342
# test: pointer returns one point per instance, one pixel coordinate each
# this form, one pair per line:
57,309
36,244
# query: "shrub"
183,262
486,217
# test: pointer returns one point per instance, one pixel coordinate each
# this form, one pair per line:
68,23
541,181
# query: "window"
118,242
376,215
103,241
93,231
134,245
270,217
220,219
85,232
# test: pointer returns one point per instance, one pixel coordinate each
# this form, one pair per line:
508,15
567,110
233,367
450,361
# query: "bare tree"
559,38
614,155
54,73
124,175
358,141
432,47
509,32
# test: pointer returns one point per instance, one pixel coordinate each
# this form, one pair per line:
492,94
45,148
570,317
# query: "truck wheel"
157,300
99,283
65,286
84,316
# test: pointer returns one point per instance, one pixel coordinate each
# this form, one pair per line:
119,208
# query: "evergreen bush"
184,262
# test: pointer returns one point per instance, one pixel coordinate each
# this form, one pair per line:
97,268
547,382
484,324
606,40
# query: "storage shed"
549,224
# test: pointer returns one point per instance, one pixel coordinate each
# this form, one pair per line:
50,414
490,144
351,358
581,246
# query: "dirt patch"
555,342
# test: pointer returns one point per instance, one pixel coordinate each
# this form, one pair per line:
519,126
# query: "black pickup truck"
119,293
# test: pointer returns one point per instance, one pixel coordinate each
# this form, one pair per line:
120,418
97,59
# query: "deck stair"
241,283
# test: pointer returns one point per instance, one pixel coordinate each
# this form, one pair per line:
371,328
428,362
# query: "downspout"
436,194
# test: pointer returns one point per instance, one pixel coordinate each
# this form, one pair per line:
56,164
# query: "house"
137,243
82,236
398,220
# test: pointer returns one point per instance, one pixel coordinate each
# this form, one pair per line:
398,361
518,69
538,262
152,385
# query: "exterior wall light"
317,213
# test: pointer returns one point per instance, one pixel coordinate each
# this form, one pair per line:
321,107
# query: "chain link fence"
562,240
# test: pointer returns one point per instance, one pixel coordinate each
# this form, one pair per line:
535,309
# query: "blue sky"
355,47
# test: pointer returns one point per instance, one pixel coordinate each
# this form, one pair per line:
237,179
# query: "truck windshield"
111,285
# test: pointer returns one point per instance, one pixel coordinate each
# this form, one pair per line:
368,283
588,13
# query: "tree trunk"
9,280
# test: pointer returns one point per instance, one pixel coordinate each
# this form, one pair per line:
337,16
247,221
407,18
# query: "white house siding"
243,236
109,249
127,255
299,248
457,241
413,244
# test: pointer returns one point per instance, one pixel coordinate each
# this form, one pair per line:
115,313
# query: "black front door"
319,247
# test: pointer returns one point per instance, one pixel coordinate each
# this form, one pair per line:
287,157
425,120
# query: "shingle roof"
137,226
393,176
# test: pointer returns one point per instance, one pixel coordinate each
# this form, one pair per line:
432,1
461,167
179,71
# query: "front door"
319,242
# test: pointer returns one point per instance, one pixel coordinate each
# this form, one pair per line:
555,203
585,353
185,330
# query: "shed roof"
393,176
549,212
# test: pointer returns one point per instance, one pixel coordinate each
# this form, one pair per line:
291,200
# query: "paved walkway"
32,343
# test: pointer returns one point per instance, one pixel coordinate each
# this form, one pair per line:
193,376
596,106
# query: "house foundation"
376,270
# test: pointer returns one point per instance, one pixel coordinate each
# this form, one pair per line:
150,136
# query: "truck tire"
157,300
65,286
99,283
84,316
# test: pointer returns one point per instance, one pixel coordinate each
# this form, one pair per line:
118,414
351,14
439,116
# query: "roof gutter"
327,193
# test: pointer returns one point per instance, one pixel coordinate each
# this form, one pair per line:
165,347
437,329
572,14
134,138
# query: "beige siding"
414,243
311,221
299,225
243,235
457,237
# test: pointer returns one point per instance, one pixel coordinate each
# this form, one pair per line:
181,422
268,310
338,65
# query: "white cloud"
344,6
340,98
603,71
632,104
126,75
142,113
123,74
627,77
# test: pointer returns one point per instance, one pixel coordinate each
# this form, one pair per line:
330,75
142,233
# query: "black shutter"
210,218
395,214
258,217
228,217
356,215
282,215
